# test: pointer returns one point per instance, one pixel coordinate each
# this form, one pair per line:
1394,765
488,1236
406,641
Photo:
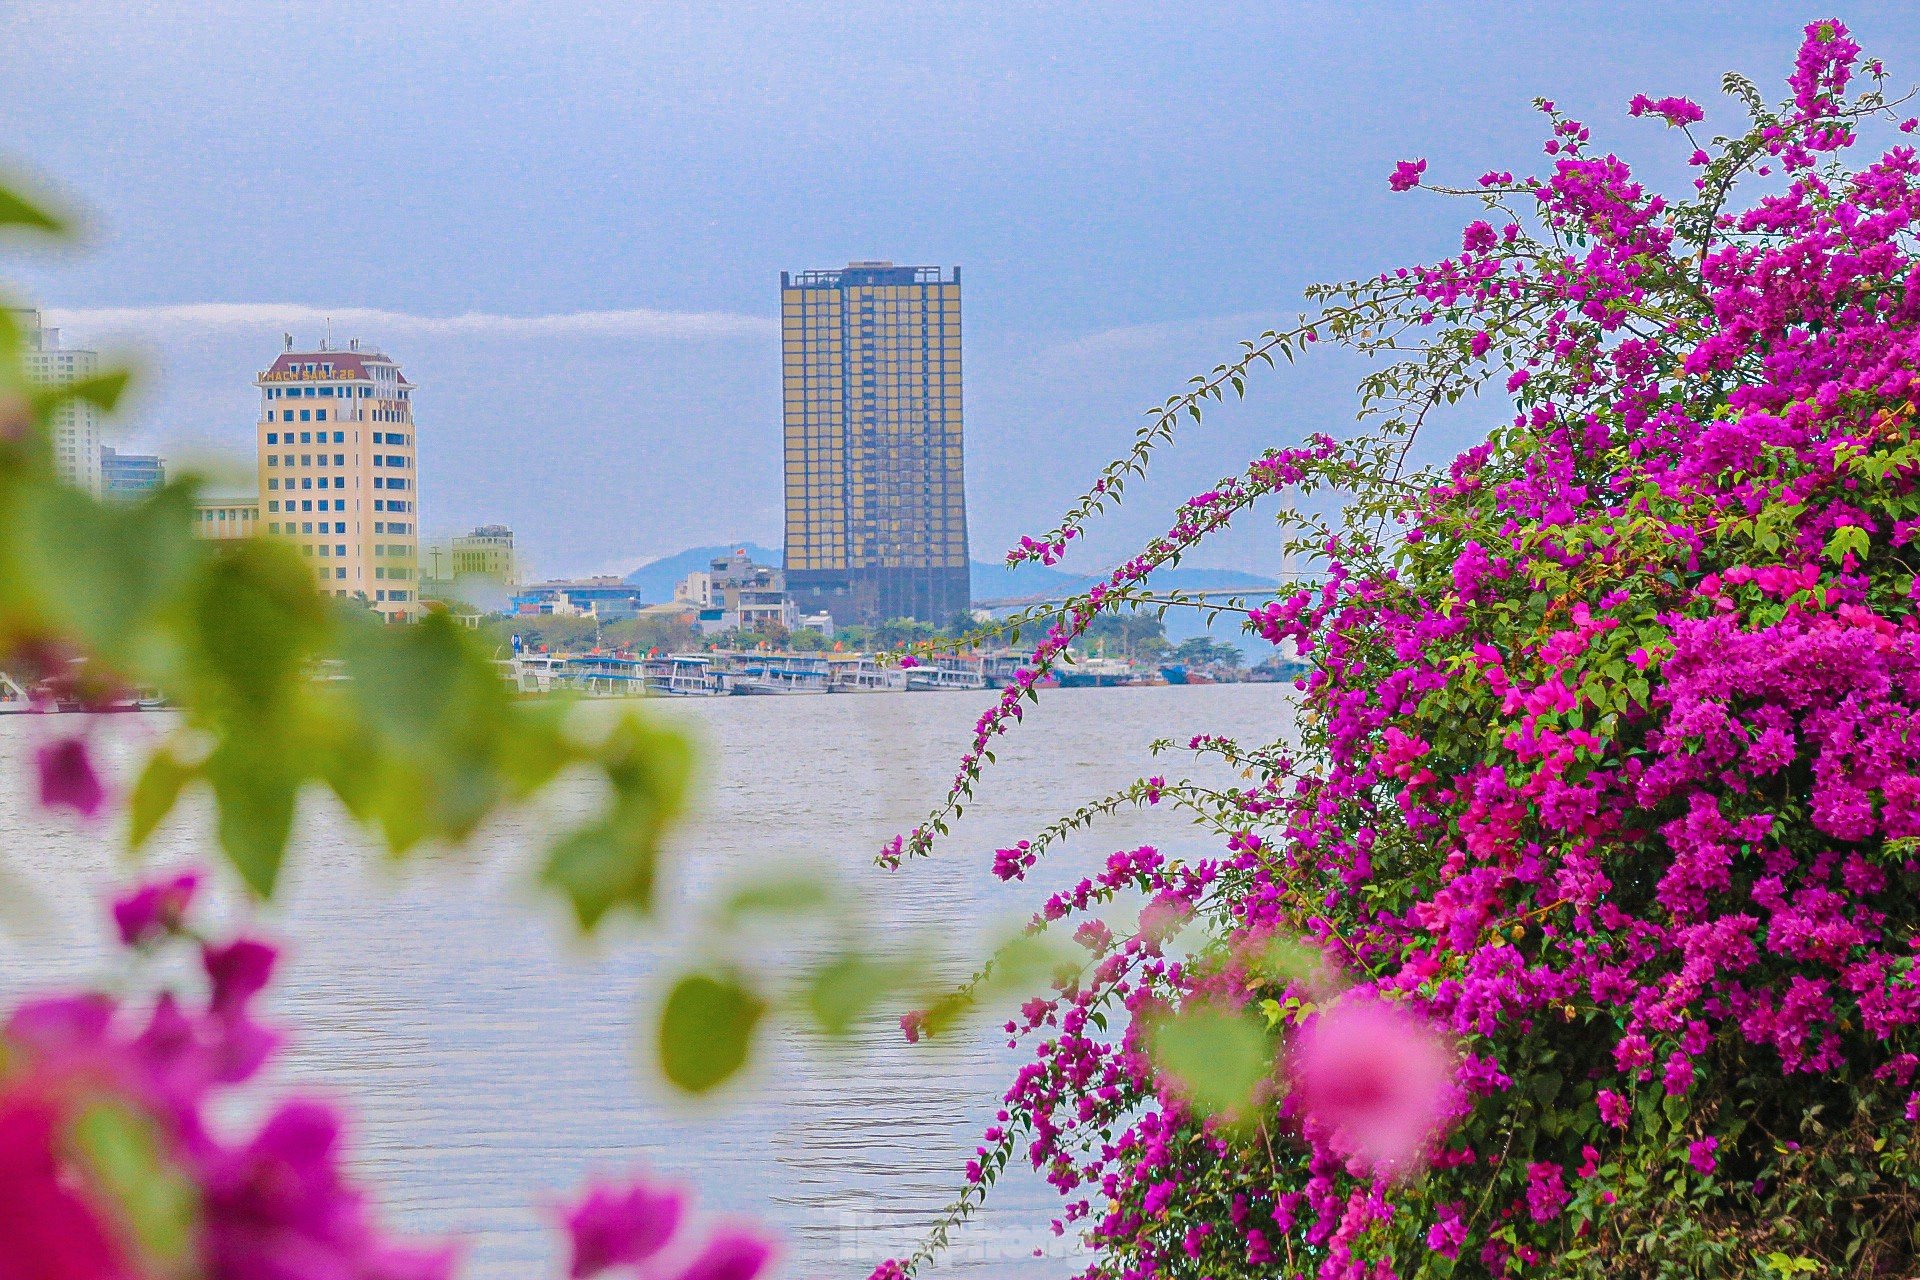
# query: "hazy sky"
567,221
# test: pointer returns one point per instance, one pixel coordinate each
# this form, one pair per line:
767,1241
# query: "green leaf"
123,1157
850,985
428,717
611,862
102,390
102,573
706,1030
1218,1055
1848,538
17,210
155,793
256,790
800,893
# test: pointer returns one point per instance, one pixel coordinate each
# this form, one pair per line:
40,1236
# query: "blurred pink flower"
239,970
67,777
613,1225
154,909
731,1254
1373,1081
47,1232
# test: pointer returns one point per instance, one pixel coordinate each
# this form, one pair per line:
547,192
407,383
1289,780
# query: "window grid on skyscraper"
875,489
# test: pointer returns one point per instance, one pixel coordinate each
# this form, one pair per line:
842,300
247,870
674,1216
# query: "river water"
494,1061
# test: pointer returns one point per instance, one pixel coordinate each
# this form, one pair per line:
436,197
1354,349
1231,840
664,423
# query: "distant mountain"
657,578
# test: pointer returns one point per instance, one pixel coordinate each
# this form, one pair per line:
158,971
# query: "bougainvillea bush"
1600,824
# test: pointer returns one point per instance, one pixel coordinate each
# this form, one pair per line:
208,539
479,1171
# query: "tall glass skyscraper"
876,492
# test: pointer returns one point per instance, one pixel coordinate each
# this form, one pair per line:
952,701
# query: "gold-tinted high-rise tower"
876,492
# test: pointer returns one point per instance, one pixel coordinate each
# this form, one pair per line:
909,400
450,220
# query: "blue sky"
567,221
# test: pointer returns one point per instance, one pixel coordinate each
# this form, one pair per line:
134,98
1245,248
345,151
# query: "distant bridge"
1062,596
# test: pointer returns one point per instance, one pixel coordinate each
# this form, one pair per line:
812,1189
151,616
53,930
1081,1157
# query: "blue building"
608,599
125,477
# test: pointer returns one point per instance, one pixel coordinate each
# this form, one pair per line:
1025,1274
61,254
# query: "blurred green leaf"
1217,1055
1017,967
1287,958
123,1157
107,572
101,390
611,862
429,718
155,793
800,893
256,788
706,1030
16,210
851,985
255,626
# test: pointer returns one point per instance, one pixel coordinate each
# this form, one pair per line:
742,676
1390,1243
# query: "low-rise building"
606,598
126,477
488,553
228,515
735,594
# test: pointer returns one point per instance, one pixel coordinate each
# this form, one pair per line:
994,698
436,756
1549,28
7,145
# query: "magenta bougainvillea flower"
268,1200
730,1254
1372,1081
67,777
154,909
1607,764
48,1230
621,1224
1406,175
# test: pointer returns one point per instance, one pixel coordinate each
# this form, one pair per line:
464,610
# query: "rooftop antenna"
288,339
328,336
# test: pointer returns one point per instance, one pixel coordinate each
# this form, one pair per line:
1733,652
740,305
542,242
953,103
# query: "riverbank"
723,673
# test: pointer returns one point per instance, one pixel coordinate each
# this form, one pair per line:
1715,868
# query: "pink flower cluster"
1611,762
274,1202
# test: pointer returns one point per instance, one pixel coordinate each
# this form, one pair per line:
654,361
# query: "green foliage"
610,862
847,987
22,211
1132,634
1218,1055
706,1030
1204,651
283,689
122,1155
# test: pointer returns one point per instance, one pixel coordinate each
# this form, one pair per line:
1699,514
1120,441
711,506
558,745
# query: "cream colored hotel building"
337,472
